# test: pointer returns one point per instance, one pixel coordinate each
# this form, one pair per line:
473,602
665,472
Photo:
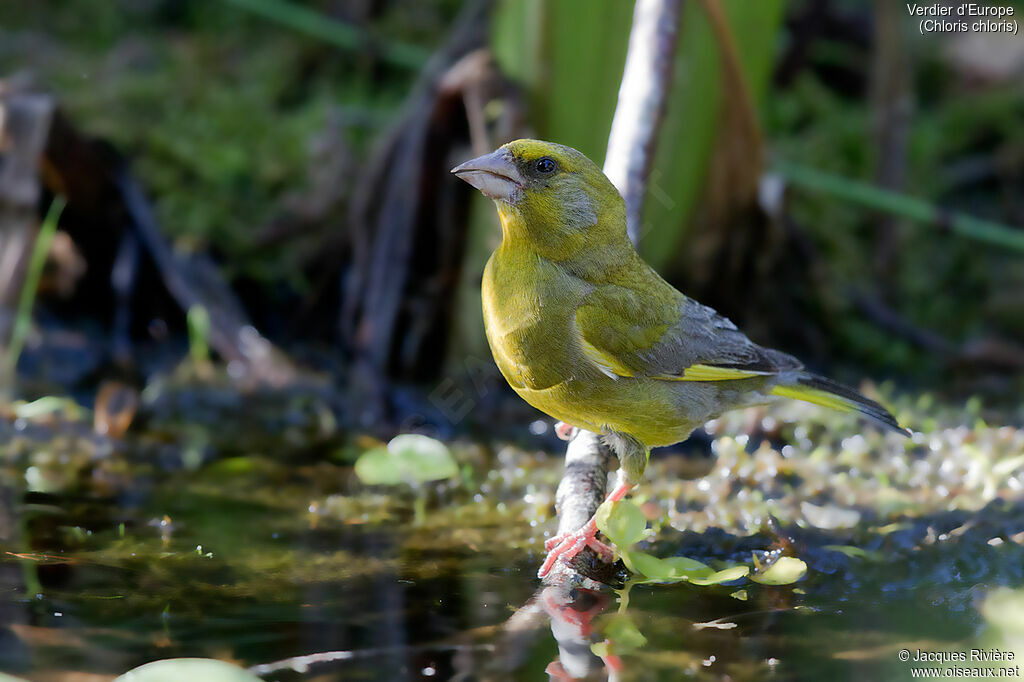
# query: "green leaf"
409,458
723,576
649,566
426,459
378,467
784,571
178,669
671,570
688,567
622,522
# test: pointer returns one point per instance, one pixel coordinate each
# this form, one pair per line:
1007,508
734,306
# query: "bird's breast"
527,327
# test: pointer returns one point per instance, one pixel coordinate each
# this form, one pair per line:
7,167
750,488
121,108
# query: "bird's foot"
567,545
566,431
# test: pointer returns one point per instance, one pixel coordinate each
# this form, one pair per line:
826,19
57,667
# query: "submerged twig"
638,114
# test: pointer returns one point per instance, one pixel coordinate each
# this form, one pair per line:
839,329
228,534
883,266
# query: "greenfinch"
587,332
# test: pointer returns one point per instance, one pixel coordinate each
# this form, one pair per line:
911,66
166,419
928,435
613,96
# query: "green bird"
587,332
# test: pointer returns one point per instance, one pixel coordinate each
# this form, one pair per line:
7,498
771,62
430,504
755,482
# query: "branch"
645,82
641,104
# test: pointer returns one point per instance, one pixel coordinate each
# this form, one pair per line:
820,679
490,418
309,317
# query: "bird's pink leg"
565,431
568,545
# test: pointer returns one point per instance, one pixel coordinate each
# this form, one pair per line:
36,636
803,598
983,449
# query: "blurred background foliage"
295,156
236,122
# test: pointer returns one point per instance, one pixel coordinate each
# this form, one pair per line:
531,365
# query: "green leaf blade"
785,571
622,522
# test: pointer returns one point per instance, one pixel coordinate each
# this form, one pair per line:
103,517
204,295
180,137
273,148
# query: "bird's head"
551,195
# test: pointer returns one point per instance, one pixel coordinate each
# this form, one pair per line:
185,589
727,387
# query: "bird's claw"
567,545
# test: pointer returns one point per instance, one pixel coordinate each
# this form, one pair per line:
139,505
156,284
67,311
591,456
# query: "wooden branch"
645,82
641,104
195,281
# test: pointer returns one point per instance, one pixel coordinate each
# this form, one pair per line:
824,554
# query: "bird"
584,330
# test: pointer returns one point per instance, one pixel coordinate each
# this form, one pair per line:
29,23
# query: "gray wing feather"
703,337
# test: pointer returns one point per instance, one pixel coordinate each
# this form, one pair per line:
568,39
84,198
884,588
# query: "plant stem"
336,33
643,93
911,208
23,316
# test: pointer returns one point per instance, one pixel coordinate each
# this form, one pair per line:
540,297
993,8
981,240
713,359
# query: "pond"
251,540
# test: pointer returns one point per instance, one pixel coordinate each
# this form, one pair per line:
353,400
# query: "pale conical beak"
494,174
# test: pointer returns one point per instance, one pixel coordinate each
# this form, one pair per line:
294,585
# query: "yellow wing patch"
712,373
606,363
814,396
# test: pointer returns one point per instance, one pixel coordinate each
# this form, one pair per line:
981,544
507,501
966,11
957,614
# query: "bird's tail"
827,393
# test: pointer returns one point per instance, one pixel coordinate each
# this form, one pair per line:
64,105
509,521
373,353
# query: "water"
267,549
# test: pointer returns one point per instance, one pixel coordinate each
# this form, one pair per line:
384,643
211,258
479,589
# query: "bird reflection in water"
572,613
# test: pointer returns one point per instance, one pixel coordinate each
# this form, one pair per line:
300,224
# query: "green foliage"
785,571
23,316
337,33
812,124
1003,610
624,524
409,458
178,669
693,115
220,133
198,320
570,55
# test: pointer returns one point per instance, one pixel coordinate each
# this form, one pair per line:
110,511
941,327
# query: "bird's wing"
625,333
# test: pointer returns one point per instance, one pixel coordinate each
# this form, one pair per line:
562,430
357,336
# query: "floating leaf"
650,566
177,669
739,594
409,458
622,522
723,576
677,569
784,571
689,567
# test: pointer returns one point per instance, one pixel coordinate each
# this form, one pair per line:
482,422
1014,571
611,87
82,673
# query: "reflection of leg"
568,545
572,613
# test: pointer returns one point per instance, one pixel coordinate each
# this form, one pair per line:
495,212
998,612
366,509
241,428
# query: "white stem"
642,95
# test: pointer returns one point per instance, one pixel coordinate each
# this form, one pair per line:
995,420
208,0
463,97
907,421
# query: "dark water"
264,553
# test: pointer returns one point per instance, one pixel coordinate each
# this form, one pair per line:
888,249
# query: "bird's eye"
545,165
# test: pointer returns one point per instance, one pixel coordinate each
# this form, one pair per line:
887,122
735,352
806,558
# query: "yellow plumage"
585,331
